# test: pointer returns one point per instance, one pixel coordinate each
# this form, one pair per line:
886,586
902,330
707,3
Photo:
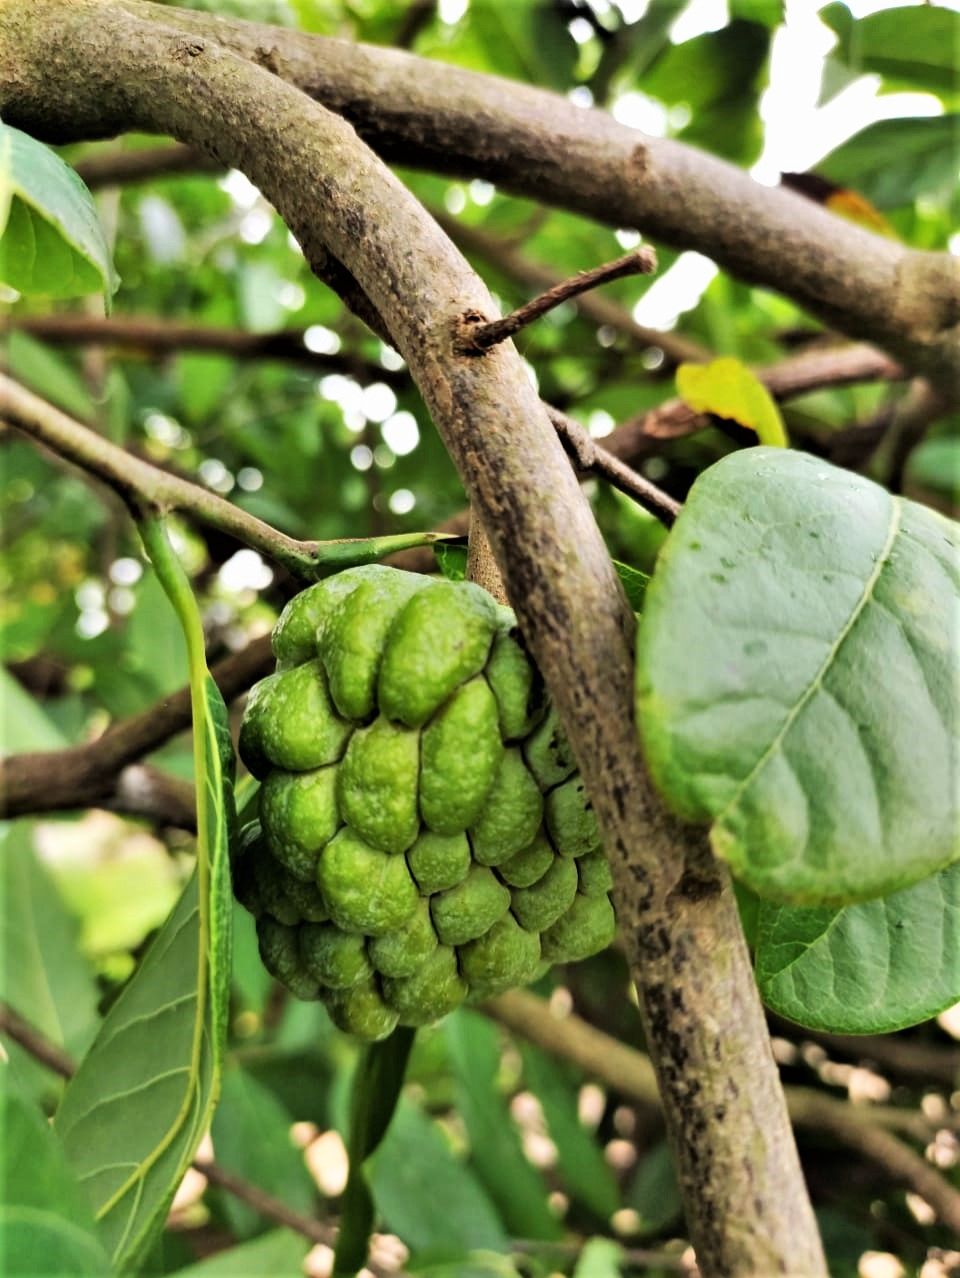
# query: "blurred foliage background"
504,1159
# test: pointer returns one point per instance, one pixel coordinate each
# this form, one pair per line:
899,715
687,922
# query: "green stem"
376,1090
176,584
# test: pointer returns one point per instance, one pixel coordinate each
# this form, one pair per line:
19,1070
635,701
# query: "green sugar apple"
423,834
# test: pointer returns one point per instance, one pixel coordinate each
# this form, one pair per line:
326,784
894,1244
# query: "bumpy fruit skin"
424,836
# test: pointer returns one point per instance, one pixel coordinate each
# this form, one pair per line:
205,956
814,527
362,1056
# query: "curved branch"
137,481
96,65
418,112
148,335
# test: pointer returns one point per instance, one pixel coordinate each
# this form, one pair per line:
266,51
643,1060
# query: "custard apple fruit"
423,834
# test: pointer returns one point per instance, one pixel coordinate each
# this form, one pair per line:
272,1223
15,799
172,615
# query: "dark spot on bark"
187,47
639,160
695,887
463,343
268,56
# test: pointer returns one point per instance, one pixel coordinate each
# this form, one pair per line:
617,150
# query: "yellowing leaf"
727,388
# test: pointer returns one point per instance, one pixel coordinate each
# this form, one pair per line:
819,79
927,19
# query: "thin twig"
591,457
146,334
506,256
631,1073
476,334
96,772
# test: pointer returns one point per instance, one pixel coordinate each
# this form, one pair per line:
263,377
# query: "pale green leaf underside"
797,678
52,242
134,1113
866,969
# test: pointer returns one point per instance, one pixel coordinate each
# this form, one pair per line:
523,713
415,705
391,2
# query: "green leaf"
727,388
585,1173
451,560
654,1193
46,1226
278,1254
427,1197
634,584
24,724
43,975
376,1090
512,1182
135,1111
797,680
251,1137
866,969
936,465
600,1258
895,161
48,373
51,240
911,47
718,76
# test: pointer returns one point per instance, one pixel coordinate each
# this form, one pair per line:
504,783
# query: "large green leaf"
797,679
866,969
895,161
46,1226
495,1150
135,1111
913,47
43,976
51,240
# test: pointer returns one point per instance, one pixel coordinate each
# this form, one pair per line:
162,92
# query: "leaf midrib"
817,681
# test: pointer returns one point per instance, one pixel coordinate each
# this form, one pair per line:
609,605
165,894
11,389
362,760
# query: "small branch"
904,1058
630,1072
142,333
796,375
588,456
97,772
505,256
476,335
116,166
264,1203
36,1044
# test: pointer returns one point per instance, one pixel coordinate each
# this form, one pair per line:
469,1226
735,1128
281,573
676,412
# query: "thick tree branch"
147,335
630,1073
415,111
97,65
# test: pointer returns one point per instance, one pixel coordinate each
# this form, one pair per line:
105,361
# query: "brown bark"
94,65
538,144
